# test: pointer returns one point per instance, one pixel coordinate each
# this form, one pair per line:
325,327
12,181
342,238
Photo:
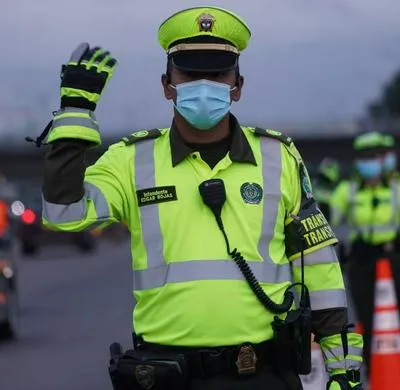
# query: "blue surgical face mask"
203,103
390,162
369,169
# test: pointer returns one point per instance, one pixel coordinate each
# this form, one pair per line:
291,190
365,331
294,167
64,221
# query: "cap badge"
206,22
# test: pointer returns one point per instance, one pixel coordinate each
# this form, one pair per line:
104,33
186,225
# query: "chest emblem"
252,193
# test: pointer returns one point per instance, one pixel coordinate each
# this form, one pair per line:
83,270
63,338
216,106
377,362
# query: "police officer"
369,206
189,195
326,180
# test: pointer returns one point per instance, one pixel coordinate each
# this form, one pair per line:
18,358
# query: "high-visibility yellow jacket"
187,289
372,213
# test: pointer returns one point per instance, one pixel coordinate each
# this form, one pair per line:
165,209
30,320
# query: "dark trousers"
362,269
265,380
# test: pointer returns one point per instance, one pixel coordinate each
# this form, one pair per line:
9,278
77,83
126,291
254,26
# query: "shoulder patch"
273,134
141,135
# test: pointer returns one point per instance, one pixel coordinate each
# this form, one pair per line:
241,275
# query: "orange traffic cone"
385,354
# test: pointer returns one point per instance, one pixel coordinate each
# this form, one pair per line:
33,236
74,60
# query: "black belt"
208,362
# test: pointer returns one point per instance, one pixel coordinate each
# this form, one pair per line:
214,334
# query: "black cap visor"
204,61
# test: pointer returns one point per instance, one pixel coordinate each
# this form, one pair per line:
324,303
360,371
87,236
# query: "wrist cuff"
75,123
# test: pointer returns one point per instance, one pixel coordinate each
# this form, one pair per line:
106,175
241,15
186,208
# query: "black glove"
84,77
343,382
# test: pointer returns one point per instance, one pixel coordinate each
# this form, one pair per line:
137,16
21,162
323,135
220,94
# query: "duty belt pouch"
292,338
146,370
284,345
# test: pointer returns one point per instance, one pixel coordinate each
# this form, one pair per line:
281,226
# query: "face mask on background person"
369,168
203,103
390,162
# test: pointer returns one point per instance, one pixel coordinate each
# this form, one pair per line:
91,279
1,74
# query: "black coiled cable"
265,300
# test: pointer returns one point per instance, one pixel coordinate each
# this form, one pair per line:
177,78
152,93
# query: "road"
72,308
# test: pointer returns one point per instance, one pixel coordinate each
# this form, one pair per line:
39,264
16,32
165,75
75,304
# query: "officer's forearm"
64,171
329,322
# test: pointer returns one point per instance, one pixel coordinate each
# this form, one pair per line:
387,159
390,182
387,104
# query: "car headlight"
7,272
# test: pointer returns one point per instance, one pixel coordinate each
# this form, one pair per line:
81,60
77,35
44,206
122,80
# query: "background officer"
369,207
198,305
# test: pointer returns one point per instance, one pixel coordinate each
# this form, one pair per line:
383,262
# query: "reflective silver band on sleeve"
335,360
70,116
328,299
75,121
323,299
324,255
59,214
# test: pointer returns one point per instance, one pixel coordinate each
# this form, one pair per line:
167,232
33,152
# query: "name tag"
156,195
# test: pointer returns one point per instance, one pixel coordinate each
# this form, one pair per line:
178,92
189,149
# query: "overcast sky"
307,59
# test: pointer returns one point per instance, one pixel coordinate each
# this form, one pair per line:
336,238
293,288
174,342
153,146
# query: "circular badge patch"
251,193
142,133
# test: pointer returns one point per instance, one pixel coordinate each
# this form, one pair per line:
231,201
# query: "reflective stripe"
75,121
385,294
335,360
384,344
59,213
323,299
189,271
348,364
352,364
150,219
324,255
272,168
387,320
158,273
337,352
328,299
386,228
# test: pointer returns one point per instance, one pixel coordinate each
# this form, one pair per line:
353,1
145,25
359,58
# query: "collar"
240,149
